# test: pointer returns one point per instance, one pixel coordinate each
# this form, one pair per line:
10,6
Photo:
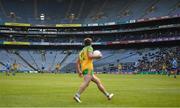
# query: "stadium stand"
137,26
149,57
87,11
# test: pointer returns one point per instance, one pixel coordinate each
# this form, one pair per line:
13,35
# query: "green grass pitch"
50,90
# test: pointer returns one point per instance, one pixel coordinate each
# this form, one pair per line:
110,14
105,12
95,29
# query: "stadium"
40,41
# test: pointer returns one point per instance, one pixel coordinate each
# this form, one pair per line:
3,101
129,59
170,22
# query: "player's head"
87,41
174,58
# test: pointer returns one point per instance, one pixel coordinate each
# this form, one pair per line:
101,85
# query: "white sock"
78,95
107,94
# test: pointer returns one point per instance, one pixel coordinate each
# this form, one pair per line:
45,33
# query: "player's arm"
78,69
90,54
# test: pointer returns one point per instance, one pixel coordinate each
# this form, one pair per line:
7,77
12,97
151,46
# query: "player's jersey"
119,66
85,61
164,66
174,64
14,66
8,66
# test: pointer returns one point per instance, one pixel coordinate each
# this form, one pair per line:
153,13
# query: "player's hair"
87,41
